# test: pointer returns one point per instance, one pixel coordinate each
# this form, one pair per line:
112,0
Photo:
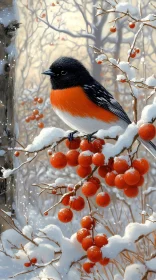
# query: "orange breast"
75,102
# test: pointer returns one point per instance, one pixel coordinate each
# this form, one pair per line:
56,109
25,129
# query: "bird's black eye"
63,72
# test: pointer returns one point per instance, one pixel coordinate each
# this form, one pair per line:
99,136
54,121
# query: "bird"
82,102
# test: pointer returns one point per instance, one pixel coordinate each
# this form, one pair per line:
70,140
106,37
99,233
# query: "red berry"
28,264
77,203
87,222
104,261
120,165
95,181
32,117
65,215
89,189
41,125
133,54
58,160
87,266
46,213
98,159
142,165
94,254
83,171
16,153
100,240
113,29
132,176
33,260
110,179
103,199
131,192
87,242
53,191
35,98
86,146
65,200
35,112
49,152
27,119
137,50
40,100
85,159
103,170
97,145
132,24
120,182
147,131
82,233
73,144
72,157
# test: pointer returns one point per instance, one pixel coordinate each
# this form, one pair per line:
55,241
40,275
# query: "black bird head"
68,72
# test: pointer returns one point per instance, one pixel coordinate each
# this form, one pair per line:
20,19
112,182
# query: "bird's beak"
49,72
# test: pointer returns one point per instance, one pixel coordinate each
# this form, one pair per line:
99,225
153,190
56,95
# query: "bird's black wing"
101,97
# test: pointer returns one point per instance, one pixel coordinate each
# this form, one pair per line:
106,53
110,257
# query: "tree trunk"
7,33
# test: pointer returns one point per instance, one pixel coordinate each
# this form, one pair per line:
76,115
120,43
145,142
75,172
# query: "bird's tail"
149,146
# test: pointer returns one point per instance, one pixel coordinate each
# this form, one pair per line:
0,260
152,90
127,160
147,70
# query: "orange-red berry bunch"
36,115
91,244
32,262
134,52
127,177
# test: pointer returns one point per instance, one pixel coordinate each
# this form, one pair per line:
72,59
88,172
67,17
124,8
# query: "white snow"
151,81
113,61
148,113
135,271
133,231
120,77
47,137
112,132
87,153
100,58
151,264
126,8
7,172
27,230
127,68
150,19
124,141
60,182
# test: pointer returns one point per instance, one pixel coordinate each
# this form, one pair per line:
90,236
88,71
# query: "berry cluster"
32,262
36,115
91,244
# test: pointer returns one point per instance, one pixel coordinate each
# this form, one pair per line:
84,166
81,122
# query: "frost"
151,81
87,153
126,8
135,271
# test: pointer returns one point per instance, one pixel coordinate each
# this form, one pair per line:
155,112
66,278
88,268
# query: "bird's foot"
71,134
90,136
